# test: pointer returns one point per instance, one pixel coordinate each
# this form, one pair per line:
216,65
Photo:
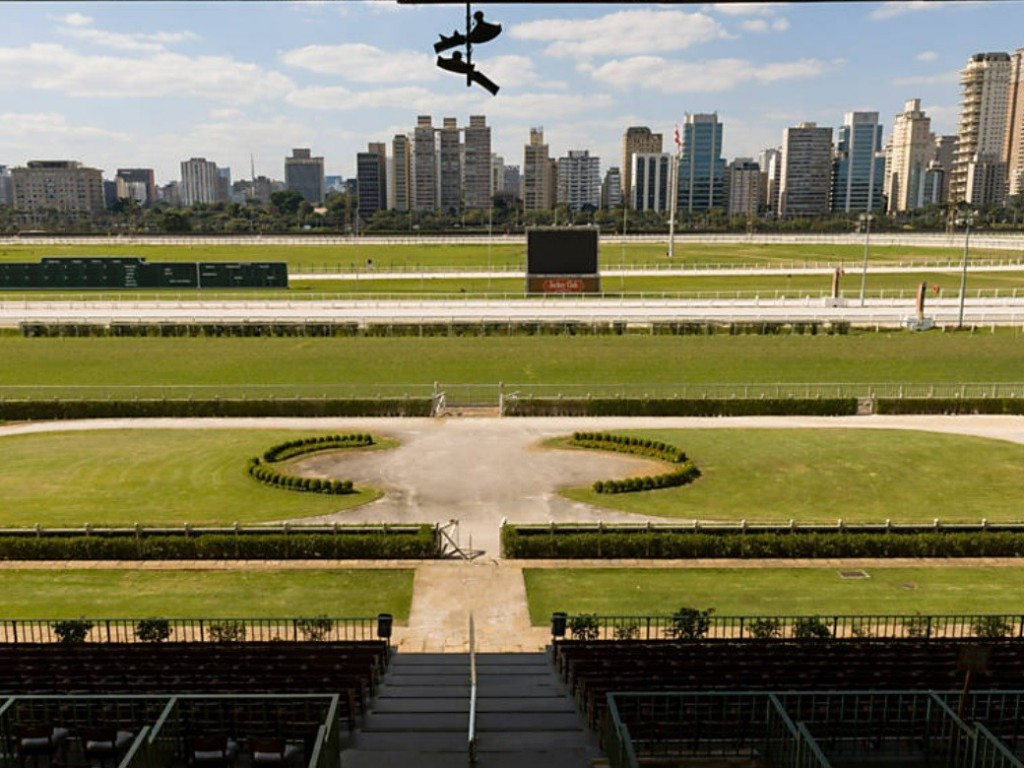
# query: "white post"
867,249
673,204
963,273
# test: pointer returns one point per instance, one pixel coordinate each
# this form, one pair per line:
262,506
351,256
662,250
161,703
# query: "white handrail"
472,691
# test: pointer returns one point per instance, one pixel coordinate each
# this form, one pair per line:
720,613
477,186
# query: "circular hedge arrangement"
684,474
260,467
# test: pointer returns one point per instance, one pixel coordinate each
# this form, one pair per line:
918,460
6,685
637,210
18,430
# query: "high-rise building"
911,154
138,184
476,173
637,138
450,167
199,182
745,188
334,185
945,157
223,185
701,165
1013,154
981,138
6,186
305,174
497,174
512,181
651,188
771,175
858,168
400,177
64,186
371,180
424,165
611,189
537,173
579,180
934,185
806,171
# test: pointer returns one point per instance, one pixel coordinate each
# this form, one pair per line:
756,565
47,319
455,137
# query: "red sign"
563,285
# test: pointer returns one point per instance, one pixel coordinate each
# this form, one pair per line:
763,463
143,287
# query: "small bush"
690,623
315,629
153,630
627,631
765,628
584,627
227,631
72,631
991,627
811,628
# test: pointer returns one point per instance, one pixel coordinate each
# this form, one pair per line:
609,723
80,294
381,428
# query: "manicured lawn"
355,255
315,366
863,475
165,477
256,593
772,591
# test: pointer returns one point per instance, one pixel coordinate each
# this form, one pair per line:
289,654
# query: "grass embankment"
772,591
352,256
153,477
821,475
257,593
301,365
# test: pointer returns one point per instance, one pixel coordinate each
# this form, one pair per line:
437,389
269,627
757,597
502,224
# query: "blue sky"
141,84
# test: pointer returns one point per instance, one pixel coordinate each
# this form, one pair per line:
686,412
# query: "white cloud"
659,74
362,63
516,72
780,24
748,9
939,78
927,56
338,97
51,67
755,25
548,105
622,33
75,20
895,8
53,126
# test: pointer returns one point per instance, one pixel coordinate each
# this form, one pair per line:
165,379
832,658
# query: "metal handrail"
471,741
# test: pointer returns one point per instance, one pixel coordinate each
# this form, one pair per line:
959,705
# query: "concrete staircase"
420,716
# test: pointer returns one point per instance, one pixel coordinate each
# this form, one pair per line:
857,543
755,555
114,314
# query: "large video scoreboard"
562,261
115,273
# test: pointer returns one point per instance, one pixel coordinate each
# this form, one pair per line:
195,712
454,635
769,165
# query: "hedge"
268,475
538,544
26,410
386,545
639,446
614,406
951,405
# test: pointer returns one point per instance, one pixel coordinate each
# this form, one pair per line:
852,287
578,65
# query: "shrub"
584,627
690,623
627,631
811,628
765,628
991,626
72,630
315,629
153,630
681,407
227,631
917,626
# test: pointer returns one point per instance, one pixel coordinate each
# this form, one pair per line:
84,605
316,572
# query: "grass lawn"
858,475
256,593
412,256
771,591
165,477
365,364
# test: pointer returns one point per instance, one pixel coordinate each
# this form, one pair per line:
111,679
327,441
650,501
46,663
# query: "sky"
149,84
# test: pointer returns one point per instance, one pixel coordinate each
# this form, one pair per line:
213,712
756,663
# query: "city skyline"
152,84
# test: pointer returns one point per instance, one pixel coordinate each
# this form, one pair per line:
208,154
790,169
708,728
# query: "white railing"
471,741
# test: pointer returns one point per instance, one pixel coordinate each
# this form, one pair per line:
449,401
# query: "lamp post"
866,218
967,219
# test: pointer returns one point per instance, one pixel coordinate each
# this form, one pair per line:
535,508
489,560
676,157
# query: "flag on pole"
679,141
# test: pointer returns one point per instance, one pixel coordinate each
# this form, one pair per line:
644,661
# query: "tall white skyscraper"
651,180
579,180
199,181
476,170
979,169
912,150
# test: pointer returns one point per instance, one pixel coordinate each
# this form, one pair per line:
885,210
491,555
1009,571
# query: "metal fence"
803,730
191,630
707,625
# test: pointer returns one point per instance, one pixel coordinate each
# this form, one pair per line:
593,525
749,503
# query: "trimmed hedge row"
27,410
951,405
682,476
639,446
292,448
220,546
614,406
650,544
